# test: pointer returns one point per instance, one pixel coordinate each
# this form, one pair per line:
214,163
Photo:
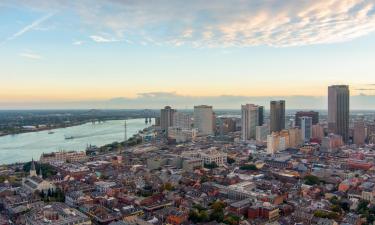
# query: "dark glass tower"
260,115
338,110
277,116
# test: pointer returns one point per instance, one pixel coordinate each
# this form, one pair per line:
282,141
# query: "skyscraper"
277,117
306,128
166,117
338,110
182,120
359,136
250,119
260,115
313,114
318,131
203,119
261,133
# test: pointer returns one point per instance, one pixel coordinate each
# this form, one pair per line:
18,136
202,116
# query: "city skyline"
79,55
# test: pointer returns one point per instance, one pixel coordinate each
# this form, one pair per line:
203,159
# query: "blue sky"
55,52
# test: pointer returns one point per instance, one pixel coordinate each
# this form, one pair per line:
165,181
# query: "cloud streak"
29,27
29,55
157,100
221,23
102,39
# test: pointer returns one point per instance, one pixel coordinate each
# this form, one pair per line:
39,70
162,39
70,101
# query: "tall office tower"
338,110
203,119
277,118
371,132
273,140
166,118
318,131
359,133
250,119
284,135
261,133
277,142
260,115
295,139
314,115
306,128
182,120
227,125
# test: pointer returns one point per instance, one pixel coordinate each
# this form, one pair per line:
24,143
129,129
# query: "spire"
32,164
32,169
40,172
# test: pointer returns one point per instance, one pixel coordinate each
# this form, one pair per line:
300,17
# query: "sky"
145,54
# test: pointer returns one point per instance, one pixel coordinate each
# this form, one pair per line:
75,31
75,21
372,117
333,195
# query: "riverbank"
24,147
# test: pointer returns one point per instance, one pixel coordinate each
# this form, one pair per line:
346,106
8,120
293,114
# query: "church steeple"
32,169
40,172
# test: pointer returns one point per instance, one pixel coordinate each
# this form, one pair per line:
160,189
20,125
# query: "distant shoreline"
134,130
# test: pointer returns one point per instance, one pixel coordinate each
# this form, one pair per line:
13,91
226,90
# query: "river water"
24,147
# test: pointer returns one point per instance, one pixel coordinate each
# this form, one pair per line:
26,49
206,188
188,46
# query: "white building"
214,156
182,120
250,119
306,128
70,156
204,120
182,134
276,143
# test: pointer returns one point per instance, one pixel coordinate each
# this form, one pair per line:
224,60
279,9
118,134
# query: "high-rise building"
359,136
370,130
203,119
277,142
272,143
277,117
260,115
338,110
314,115
166,117
227,125
318,132
295,137
250,119
306,128
182,120
331,142
261,133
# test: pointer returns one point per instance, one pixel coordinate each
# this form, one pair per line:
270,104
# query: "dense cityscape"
203,168
173,112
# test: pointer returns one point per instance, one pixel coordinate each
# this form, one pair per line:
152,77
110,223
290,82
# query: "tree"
249,167
311,180
212,165
218,216
230,160
47,170
231,219
198,214
362,206
168,186
218,205
217,211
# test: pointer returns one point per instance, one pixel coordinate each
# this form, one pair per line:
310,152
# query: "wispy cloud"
28,27
157,100
222,23
102,39
30,55
78,42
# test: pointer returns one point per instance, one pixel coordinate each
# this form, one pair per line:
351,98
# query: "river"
24,147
